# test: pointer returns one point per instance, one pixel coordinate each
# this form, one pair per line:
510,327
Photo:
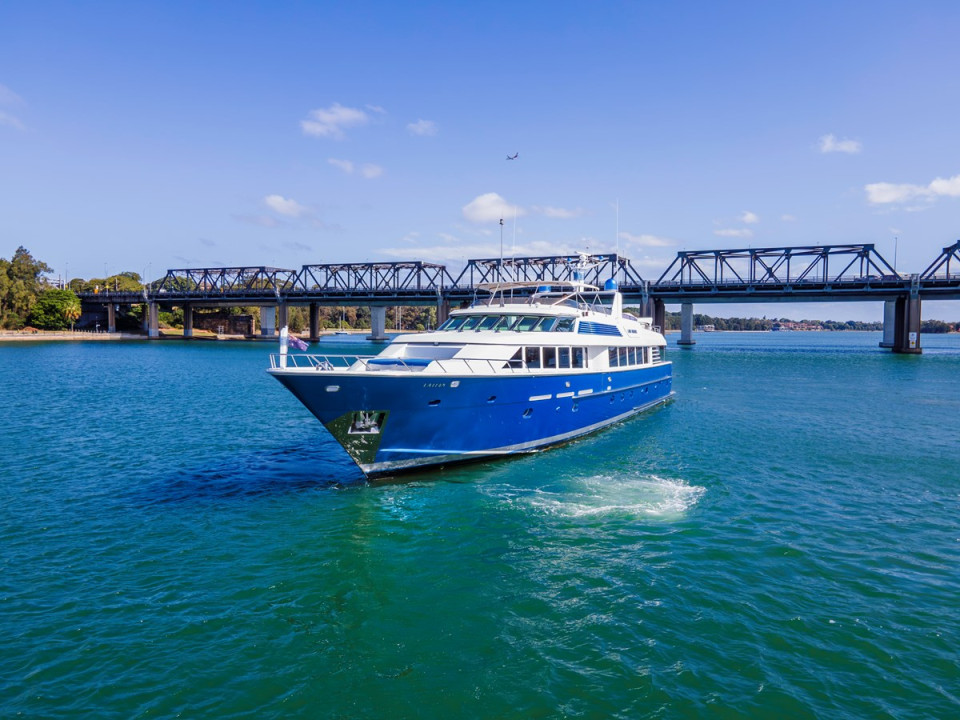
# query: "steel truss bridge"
778,274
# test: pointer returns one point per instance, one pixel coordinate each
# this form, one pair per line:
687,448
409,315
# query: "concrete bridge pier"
153,320
889,323
907,326
111,318
188,320
378,324
314,323
686,325
443,311
268,327
282,315
655,309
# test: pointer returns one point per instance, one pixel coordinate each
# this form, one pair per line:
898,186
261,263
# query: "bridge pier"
267,320
282,315
907,326
111,318
153,320
188,320
314,323
443,311
686,325
378,324
889,323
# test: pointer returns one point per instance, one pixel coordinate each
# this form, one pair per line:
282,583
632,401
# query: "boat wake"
647,495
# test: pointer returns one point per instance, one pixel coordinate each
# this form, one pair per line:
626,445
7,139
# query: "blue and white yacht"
521,369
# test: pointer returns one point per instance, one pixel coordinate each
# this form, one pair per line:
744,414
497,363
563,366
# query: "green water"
180,538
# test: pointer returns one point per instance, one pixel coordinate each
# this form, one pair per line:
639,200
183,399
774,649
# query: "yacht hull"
390,422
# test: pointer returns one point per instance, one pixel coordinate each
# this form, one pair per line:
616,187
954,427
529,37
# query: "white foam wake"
648,495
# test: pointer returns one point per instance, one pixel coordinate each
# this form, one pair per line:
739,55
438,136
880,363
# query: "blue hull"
392,422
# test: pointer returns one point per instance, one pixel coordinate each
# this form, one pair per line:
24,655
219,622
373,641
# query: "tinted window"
578,357
488,322
526,323
612,356
563,357
549,357
453,323
565,324
531,356
471,322
545,325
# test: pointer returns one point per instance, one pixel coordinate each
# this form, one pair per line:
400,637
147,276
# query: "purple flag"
297,343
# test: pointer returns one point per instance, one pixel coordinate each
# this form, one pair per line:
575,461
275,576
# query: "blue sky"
145,136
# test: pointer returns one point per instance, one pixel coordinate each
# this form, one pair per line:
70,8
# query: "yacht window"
549,357
624,360
531,356
612,355
545,325
564,325
578,357
471,322
453,323
517,360
488,322
644,354
506,321
634,356
526,323
563,357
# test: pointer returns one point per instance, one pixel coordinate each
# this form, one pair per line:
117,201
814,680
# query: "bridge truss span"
545,269
372,279
778,267
225,282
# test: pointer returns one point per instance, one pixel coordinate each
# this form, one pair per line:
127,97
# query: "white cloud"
10,120
830,144
259,220
9,97
734,232
490,207
330,122
646,240
368,171
422,127
345,165
558,213
887,193
284,206
749,218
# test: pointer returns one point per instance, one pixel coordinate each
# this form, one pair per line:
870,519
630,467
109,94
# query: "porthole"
528,412
433,403
491,398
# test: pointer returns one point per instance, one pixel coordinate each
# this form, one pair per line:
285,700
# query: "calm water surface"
179,537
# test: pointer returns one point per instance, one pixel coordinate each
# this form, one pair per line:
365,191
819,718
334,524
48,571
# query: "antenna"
618,227
500,266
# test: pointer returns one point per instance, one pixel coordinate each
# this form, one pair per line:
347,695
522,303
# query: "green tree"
20,287
55,310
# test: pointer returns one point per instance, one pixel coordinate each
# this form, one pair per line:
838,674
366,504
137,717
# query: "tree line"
766,324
